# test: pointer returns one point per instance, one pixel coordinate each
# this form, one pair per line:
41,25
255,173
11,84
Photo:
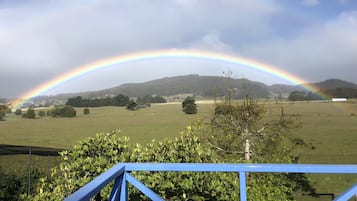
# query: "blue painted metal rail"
120,173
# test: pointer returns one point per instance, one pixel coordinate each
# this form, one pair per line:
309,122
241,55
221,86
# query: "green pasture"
155,122
331,128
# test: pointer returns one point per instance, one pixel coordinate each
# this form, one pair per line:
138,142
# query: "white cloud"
317,53
212,41
38,41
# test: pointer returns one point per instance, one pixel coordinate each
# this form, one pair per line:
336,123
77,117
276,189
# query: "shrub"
18,112
131,105
29,114
95,155
65,111
189,106
86,111
41,113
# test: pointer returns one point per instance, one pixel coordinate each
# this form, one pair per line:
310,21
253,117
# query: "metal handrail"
120,173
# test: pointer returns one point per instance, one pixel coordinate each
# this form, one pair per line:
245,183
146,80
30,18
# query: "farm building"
339,99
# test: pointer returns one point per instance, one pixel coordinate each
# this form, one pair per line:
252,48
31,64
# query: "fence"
120,173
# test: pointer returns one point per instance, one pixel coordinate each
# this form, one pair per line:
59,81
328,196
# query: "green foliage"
10,185
243,132
150,99
3,110
303,96
131,105
2,115
41,113
29,114
189,106
119,100
18,112
14,186
86,111
95,155
65,111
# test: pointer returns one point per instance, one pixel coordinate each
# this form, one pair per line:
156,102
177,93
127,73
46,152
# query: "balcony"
120,174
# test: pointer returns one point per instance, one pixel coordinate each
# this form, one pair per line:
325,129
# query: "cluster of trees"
29,114
64,111
59,111
304,96
342,92
189,106
119,100
235,134
338,93
150,99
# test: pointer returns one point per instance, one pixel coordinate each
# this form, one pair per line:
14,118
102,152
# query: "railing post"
242,186
114,195
124,189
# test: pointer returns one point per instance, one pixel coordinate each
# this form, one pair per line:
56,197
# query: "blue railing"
120,173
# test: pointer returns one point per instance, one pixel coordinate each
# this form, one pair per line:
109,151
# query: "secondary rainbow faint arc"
160,54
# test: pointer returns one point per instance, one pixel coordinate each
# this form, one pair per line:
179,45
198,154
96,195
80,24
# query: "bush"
3,111
95,155
189,106
29,114
18,112
41,113
86,111
131,105
65,111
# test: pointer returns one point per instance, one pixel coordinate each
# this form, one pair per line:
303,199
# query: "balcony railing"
120,174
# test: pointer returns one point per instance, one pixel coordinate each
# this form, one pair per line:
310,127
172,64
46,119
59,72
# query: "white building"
339,99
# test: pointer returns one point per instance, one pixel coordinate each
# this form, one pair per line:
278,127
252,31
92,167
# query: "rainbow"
160,54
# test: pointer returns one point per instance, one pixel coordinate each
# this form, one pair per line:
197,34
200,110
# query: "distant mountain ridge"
204,86
334,84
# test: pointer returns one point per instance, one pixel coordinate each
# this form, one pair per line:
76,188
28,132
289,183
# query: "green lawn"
330,127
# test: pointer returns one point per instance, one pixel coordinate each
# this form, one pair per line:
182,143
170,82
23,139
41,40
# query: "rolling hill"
203,86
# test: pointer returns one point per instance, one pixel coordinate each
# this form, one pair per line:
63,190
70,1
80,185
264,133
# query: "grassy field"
330,127
155,122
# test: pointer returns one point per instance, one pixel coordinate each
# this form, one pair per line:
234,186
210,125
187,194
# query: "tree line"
119,100
338,92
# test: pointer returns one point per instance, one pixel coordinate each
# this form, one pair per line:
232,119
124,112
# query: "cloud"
39,41
212,41
317,53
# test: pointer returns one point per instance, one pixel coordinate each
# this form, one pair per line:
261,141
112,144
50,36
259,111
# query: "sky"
42,39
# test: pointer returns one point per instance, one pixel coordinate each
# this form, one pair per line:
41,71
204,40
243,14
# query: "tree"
86,111
29,114
65,111
189,106
297,96
2,115
18,112
120,100
242,131
41,113
150,99
131,105
75,102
